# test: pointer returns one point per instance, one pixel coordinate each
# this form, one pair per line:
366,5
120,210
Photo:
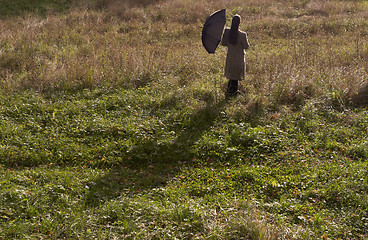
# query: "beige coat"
235,62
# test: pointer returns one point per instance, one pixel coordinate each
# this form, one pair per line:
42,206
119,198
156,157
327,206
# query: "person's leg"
232,88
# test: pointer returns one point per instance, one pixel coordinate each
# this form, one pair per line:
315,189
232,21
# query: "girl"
236,42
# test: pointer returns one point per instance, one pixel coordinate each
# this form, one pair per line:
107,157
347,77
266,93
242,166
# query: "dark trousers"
232,87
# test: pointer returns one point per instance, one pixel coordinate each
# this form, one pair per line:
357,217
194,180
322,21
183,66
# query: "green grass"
113,122
40,7
112,162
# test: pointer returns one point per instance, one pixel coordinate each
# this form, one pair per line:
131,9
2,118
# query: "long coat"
235,62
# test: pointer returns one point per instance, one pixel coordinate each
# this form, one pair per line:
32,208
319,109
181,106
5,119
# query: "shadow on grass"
41,7
154,164
360,99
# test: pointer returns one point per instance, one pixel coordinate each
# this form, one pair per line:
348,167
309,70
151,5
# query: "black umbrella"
213,29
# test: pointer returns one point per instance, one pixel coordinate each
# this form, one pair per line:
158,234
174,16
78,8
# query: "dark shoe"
232,89
230,95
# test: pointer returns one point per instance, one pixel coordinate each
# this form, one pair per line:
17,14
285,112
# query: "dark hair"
233,35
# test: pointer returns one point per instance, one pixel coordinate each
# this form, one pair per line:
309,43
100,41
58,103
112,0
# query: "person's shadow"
154,164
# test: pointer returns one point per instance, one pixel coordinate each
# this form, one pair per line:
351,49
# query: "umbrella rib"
212,38
213,41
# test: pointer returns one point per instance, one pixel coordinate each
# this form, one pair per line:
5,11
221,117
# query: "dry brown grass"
299,49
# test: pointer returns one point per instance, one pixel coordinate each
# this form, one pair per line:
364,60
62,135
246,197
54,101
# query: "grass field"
114,124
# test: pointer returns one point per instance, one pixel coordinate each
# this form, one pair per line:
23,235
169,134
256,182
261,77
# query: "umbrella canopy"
213,29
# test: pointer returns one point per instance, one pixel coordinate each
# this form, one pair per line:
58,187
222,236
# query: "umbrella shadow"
153,164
